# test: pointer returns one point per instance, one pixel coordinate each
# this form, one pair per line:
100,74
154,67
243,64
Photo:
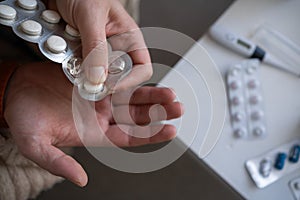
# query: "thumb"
57,162
94,48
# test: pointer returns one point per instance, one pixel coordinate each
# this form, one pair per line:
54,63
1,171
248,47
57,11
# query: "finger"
144,95
145,114
132,42
56,162
123,139
94,44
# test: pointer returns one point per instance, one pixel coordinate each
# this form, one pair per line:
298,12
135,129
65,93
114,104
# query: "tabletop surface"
282,102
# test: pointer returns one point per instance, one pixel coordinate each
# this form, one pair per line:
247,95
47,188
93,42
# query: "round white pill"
7,12
31,27
72,31
259,131
252,84
238,117
251,70
254,99
28,4
236,101
56,44
93,88
234,85
235,71
51,16
240,133
257,115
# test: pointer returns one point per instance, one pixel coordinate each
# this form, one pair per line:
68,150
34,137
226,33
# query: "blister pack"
246,100
271,166
61,43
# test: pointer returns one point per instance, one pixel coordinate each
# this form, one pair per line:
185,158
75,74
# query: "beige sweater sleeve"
20,178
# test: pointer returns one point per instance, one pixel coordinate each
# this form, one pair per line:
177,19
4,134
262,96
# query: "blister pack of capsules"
271,166
246,100
61,43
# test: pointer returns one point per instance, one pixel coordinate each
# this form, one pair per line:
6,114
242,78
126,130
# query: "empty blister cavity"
56,44
246,102
270,166
7,12
28,4
295,187
51,16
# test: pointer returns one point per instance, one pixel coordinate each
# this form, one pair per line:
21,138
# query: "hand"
38,110
97,20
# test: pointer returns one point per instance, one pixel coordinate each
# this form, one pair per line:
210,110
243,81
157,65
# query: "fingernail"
96,75
81,182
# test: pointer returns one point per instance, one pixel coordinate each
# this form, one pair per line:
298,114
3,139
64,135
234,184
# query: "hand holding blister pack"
61,43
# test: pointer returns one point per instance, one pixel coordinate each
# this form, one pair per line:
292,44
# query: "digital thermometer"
246,48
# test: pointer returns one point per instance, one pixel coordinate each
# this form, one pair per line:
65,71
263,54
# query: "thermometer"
246,48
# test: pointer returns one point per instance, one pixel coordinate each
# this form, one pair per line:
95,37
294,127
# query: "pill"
251,70
257,115
235,71
236,101
234,85
27,4
31,27
240,133
280,161
7,12
51,16
252,84
265,167
93,88
56,44
259,131
72,31
294,154
238,117
254,99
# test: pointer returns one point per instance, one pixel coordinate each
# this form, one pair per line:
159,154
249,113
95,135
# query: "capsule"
280,160
294,154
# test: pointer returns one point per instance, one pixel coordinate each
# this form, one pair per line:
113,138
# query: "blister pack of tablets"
246,100
271,166
61,43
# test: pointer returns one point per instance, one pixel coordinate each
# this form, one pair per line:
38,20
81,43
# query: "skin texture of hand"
98,20
38,110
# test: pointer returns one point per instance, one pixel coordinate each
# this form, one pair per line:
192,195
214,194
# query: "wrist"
7,70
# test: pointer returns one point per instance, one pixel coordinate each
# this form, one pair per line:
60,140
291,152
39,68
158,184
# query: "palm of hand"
39,113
